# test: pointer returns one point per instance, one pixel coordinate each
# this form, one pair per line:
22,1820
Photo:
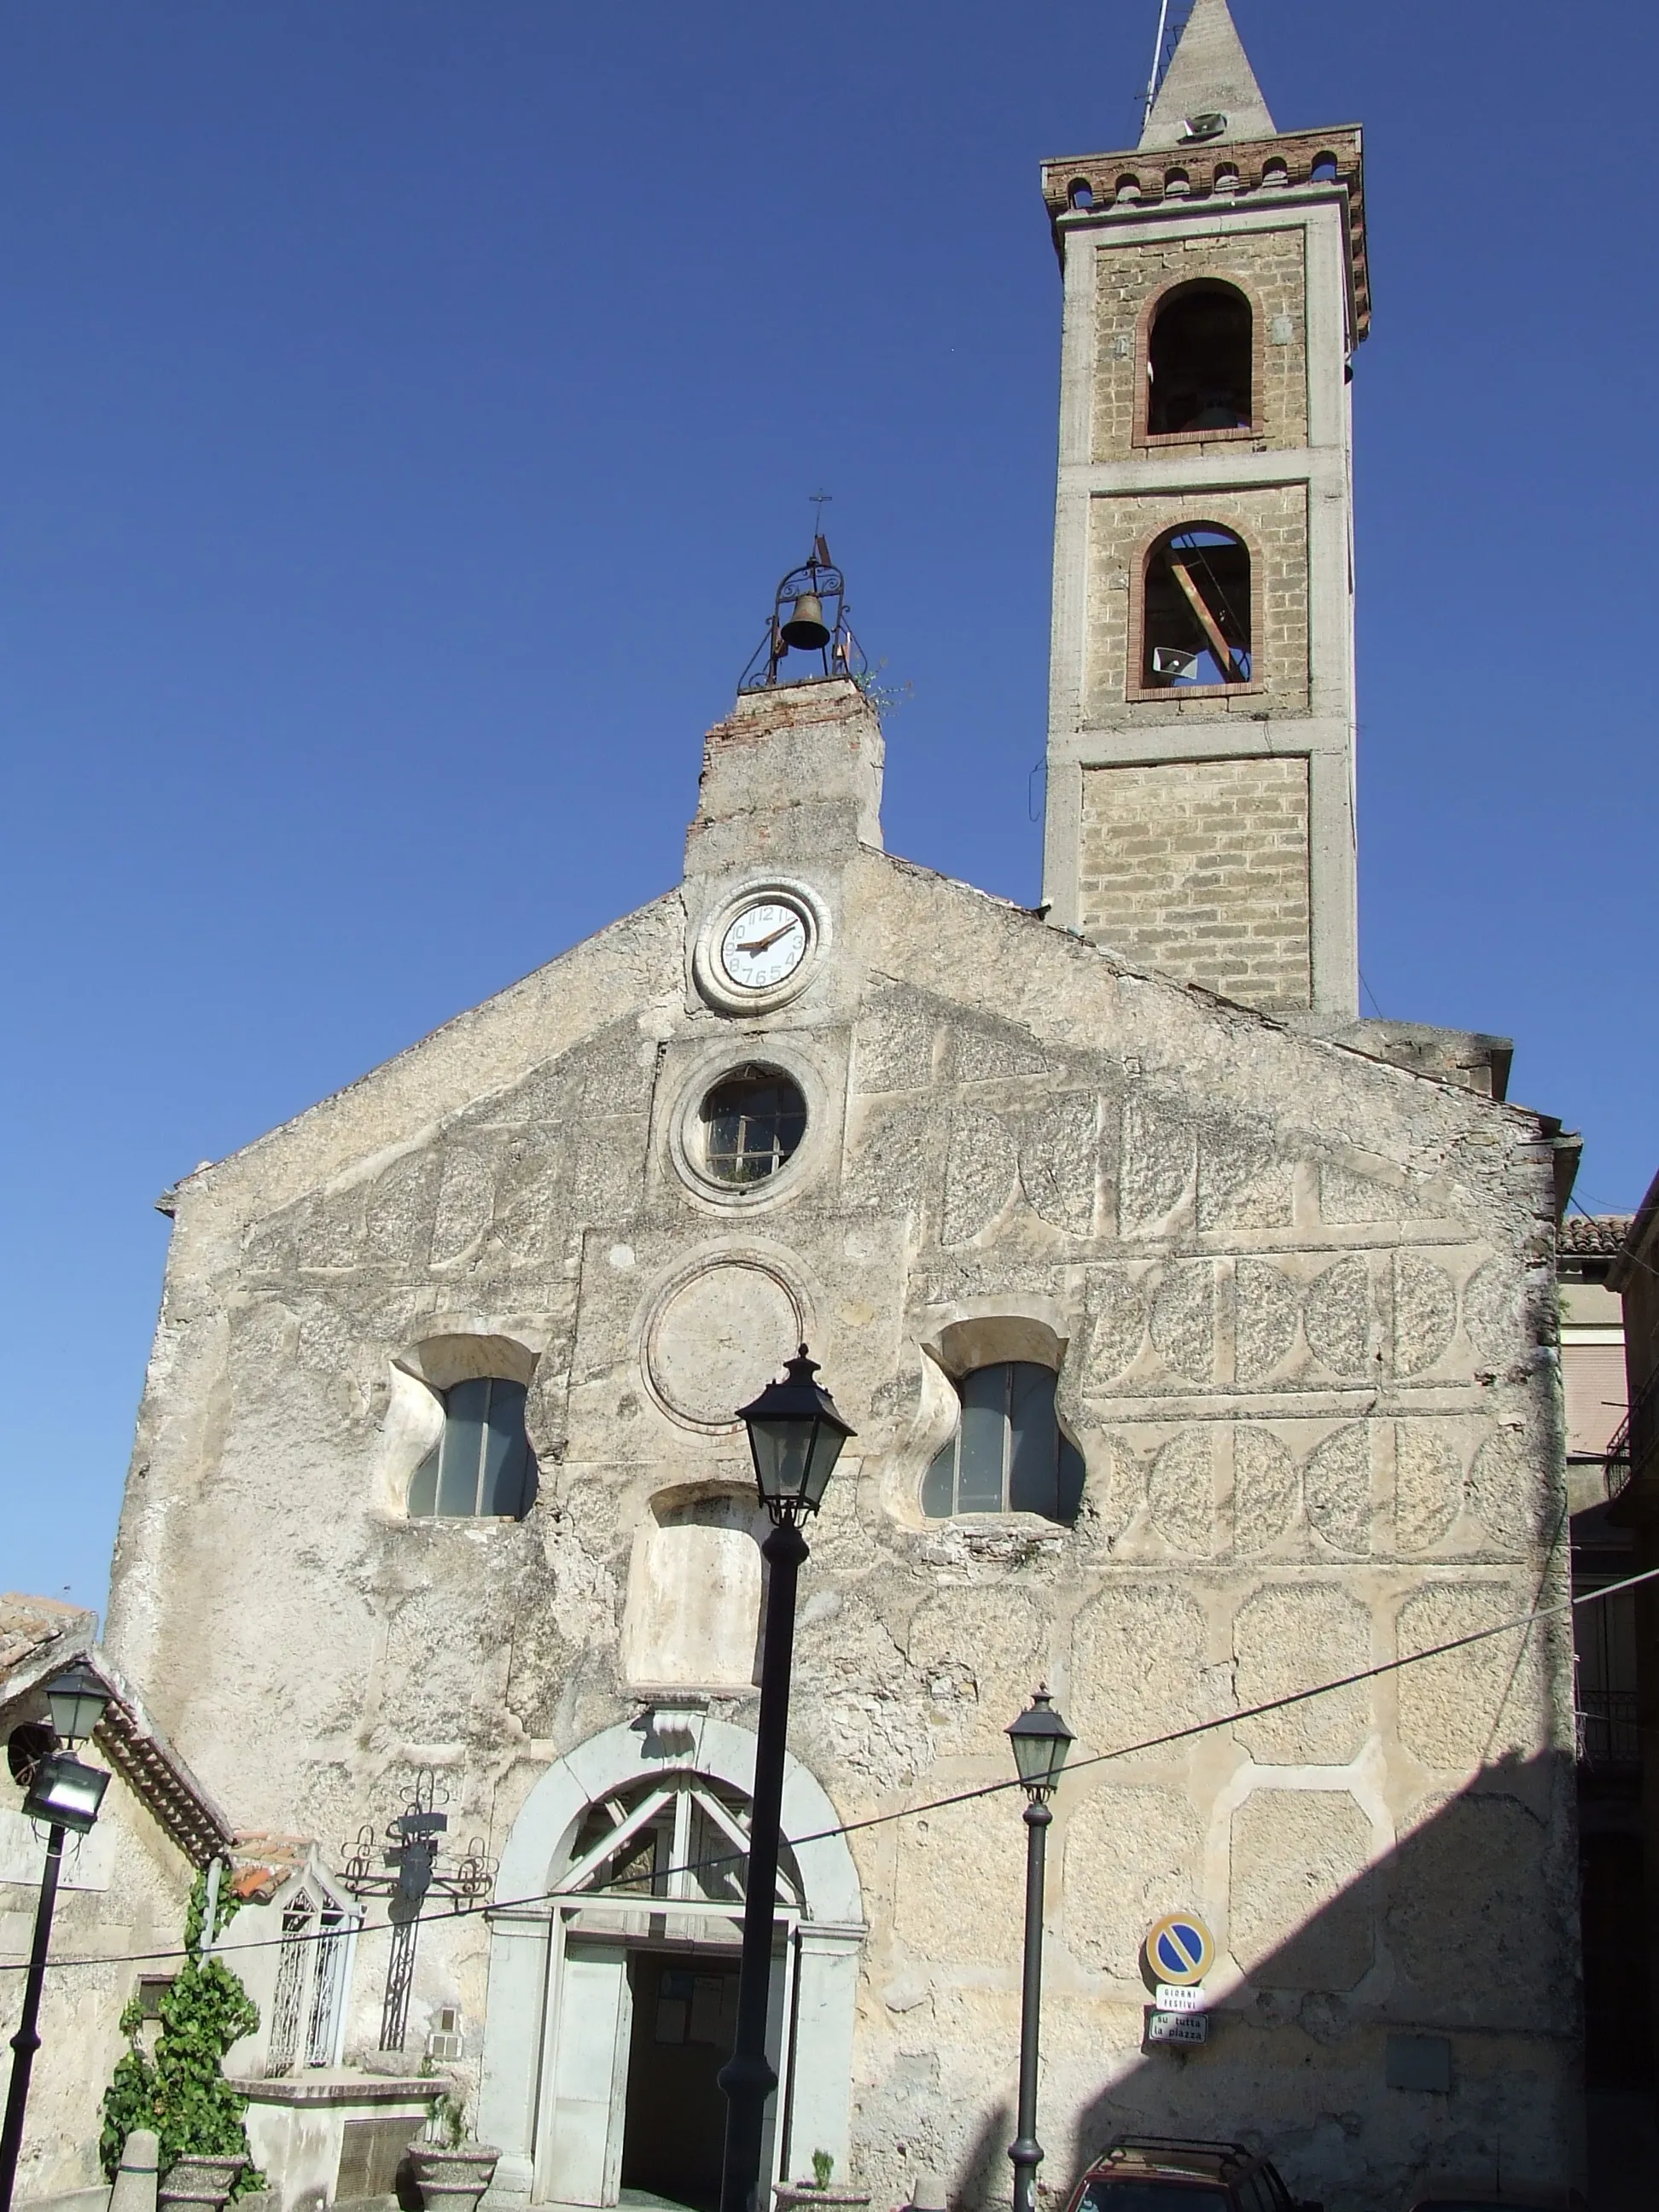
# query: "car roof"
1195,2160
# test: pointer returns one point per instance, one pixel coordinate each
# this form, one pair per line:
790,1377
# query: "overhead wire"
656,1902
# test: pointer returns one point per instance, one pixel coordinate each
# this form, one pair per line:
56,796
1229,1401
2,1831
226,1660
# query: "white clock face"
766,943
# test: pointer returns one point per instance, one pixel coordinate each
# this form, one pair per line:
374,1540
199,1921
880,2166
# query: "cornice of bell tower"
1090,190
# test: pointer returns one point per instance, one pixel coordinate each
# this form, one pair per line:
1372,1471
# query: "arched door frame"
520,2020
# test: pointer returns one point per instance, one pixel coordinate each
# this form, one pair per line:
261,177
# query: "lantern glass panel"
77,1699
782,1451
1040,1740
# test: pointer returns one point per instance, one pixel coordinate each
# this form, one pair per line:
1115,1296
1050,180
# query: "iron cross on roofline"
413,1871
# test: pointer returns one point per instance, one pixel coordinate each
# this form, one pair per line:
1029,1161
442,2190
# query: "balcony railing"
1632,1452
1606,1728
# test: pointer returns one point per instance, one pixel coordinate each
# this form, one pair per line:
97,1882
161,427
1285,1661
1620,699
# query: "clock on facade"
761,946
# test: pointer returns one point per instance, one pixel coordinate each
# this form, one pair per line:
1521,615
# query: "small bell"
807,629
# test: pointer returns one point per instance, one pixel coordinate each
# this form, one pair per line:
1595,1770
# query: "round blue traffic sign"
1179,1947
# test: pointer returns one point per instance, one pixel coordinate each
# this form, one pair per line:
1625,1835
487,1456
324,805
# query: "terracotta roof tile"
1589,1235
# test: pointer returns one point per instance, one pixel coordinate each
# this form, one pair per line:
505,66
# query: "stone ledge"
340,2087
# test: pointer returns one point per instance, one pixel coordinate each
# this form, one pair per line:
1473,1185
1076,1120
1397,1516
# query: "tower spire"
1209,74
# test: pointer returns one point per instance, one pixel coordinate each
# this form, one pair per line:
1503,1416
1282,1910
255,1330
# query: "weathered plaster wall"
1305,1306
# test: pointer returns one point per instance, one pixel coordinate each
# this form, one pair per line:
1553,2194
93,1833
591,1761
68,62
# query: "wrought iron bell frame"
818,578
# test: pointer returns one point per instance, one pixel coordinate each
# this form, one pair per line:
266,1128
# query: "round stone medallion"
718,1337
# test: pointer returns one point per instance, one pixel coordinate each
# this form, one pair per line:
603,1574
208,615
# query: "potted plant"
817,2192
452,2169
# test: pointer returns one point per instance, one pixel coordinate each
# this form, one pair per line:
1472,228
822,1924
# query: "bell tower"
1201,802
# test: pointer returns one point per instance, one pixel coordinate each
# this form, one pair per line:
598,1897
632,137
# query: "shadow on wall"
1421,2025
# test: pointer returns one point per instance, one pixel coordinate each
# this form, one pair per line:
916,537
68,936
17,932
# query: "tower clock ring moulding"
761,946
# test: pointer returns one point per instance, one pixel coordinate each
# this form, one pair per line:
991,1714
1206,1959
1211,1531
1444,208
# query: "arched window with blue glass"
1008,1453
481,1467
1196,631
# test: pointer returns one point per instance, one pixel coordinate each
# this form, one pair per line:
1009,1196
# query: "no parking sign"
1180,1948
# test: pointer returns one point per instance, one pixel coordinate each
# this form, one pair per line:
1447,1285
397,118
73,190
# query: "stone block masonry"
1273,521
1200,869
1268,266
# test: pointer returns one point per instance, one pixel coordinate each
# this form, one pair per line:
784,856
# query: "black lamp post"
1040,1740
65,1793
795,1436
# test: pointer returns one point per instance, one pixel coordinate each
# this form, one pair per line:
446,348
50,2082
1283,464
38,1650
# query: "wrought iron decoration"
413,1869
809,616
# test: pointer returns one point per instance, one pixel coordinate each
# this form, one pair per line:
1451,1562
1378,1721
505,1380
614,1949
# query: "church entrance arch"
613,1970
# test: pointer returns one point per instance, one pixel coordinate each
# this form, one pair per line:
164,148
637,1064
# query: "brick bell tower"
1201,806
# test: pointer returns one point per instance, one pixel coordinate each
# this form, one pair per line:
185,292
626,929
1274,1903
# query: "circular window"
749,1125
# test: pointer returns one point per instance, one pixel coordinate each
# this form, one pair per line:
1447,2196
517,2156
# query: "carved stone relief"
716,1335
1158,1174
1472,1707
1138,1664
1057,1156
1183,1320
1242,1182
979,1174
893,1046
1131,1854
1286,1636
1303,1915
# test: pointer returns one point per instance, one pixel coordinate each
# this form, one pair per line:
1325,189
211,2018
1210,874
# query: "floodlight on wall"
66,1792
1197,128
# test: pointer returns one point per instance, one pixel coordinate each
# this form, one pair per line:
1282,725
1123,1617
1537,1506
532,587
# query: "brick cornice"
1186,175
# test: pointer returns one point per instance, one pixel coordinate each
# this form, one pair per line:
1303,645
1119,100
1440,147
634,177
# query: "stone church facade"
1199,1338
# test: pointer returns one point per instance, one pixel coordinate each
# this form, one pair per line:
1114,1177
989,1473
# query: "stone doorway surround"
820,1939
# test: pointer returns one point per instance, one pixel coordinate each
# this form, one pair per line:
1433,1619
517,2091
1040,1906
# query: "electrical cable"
1526,1621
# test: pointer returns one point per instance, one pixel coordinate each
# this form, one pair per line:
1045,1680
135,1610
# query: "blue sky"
408,407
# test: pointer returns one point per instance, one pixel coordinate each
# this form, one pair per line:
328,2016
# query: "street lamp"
65,1793
795,1438
1040,1740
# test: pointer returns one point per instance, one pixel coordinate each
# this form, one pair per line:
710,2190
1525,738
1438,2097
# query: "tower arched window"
481,1467
1199,360
1196,631
1008,1453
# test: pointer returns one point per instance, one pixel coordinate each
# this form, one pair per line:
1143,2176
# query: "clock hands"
761,943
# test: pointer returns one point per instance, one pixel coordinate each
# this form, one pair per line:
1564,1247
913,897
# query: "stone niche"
694,1592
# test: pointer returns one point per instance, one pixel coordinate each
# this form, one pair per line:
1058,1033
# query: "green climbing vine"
181,2092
